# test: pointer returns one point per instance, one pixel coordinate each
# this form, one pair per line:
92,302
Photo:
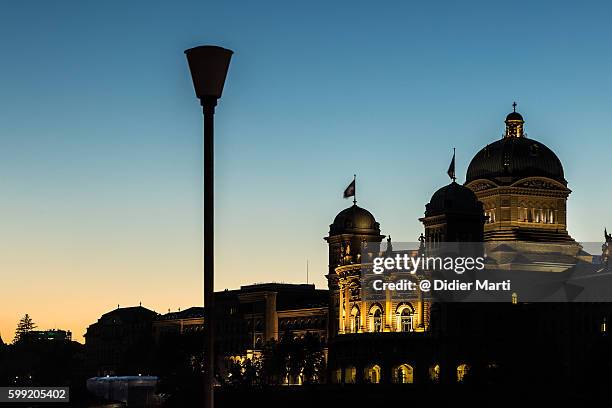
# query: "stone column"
271,316
421,311
388,312
364,316
340,306
347,311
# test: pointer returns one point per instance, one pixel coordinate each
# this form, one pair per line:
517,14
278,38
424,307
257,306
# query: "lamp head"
208,65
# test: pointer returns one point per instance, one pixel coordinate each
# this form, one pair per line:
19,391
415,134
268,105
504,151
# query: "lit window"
434,373
337,376
372,374
462,372
355,320
406,320
403,374
377,321
350,375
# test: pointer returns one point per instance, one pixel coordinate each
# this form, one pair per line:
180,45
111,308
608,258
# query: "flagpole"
454,172
355,189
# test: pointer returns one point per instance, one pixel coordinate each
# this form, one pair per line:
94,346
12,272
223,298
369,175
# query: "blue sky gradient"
100,132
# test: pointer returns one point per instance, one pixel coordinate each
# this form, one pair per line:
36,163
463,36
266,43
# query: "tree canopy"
25,326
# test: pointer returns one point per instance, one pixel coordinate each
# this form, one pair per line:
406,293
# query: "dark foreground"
400,395
377,395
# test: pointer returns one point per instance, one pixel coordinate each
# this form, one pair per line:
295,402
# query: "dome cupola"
514,123
452,198
453,214
522,187
354,220
515,157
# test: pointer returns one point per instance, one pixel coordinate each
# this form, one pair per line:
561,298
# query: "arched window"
337,376
462,372
403,374
405,315
350,375
372,374
377,321
514,298
376,318
355,320
434,373
406,320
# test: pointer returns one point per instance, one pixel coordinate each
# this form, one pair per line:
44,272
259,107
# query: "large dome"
354,220
512,158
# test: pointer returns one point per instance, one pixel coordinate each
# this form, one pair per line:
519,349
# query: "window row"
536,215
302,323
539,215
400,374
404,319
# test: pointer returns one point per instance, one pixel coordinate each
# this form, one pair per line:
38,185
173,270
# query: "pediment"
481,185
540,184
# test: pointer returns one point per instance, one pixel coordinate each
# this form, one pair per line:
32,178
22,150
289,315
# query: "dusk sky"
101,134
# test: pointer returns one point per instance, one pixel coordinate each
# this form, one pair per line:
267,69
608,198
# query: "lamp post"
208,65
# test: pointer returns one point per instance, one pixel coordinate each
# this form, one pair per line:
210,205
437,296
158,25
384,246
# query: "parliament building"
515,191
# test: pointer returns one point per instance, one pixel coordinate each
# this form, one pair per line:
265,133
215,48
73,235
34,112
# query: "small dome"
514,116
354,220
453,197
510,159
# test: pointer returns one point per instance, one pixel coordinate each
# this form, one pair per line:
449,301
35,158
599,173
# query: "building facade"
52,335
515,191
245,319
113,343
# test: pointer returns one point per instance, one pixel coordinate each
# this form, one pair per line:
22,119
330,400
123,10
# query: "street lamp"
208,65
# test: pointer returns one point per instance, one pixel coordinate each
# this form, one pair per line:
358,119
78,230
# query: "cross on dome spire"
514,106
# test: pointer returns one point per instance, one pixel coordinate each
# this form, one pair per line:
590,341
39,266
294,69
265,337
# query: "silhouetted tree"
291,358
24,327
251,372
235,373
314,360
244,373
273,363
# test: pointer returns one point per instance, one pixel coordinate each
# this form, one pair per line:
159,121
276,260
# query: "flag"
350,190
451,168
